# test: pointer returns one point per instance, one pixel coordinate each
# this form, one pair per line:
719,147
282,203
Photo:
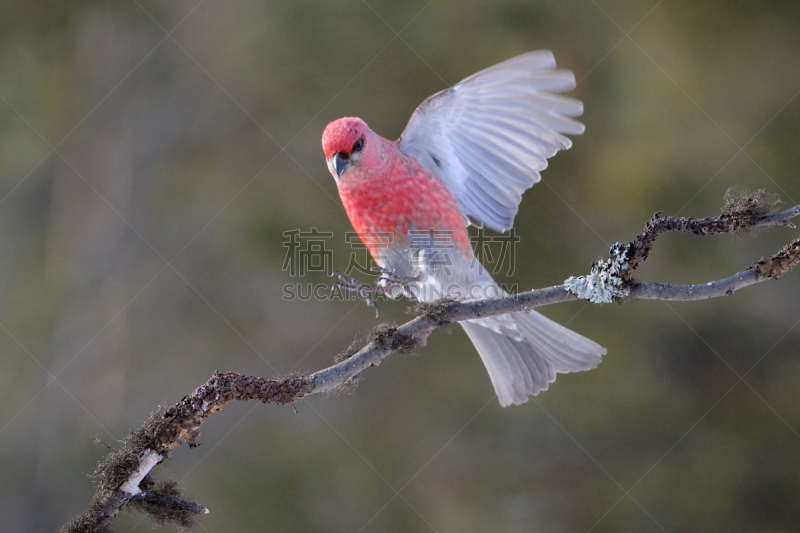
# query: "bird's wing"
488,137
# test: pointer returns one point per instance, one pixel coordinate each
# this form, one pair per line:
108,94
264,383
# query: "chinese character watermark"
361,245
309,251
306,251
484,245
429,249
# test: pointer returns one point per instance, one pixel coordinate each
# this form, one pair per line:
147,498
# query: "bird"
465,158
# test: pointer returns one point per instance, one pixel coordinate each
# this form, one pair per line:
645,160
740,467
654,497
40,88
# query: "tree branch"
123,477
741,213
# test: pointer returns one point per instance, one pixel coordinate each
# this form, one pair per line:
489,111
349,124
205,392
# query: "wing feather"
488,137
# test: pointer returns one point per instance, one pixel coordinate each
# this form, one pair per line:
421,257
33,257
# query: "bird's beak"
340,164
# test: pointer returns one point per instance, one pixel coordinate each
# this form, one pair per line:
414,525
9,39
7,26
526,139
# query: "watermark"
334,292
420,252
492,251
360,260
307,252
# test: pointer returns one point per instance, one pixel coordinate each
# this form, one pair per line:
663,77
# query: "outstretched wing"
488,137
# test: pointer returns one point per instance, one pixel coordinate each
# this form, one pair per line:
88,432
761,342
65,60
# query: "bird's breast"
396,208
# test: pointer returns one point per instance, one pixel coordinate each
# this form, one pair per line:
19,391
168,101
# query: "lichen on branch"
611,279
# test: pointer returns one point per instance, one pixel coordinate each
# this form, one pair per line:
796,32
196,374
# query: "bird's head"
344,142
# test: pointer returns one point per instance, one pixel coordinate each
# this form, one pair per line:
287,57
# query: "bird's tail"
524,351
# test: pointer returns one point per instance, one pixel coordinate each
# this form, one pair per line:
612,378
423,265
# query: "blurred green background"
153,153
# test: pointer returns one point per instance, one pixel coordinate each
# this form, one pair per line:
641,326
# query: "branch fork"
612,279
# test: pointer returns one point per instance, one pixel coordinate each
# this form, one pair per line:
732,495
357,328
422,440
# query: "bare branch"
779,219
740,213
124,476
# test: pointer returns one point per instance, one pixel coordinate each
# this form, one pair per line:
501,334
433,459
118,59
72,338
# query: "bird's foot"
395,285
363,290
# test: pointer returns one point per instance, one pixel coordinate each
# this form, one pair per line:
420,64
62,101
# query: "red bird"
466,156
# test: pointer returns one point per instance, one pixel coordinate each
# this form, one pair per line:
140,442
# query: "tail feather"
569,351
524,351
509,380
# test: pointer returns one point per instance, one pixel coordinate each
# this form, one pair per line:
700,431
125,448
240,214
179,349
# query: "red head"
343,142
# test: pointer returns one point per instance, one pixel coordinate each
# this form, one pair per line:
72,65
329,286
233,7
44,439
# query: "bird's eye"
359,145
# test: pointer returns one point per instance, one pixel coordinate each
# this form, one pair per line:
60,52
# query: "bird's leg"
363,290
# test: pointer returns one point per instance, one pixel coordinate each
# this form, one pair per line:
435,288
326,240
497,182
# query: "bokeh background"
154,153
